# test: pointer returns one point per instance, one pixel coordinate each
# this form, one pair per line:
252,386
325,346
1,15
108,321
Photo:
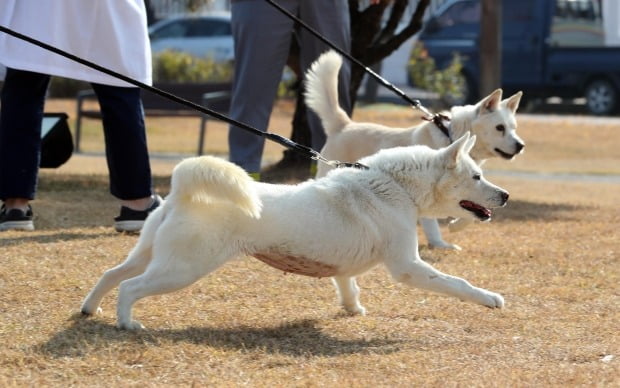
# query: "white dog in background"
338,226
491,120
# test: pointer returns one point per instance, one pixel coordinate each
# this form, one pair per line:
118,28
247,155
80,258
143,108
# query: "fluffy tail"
208,179
322,92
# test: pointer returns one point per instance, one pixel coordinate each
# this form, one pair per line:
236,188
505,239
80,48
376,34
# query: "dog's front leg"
348,293
433,234
418,273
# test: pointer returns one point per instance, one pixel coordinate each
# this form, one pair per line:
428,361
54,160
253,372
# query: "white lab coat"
110,33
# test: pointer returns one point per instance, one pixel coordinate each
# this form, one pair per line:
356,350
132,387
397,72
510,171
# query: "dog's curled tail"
322,92
208,179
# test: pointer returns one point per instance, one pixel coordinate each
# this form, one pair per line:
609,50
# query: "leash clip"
339,164
438,119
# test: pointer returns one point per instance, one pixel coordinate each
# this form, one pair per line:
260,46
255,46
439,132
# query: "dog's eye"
477,177
501,128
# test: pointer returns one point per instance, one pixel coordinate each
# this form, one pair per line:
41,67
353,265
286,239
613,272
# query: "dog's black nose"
505,196
519,147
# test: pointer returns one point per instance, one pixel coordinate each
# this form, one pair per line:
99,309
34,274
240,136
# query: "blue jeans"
23,99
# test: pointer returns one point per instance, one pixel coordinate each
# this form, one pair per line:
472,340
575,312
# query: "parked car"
550,48
205,35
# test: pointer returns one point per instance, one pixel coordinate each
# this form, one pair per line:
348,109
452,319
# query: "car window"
176,29
577,23
465,12
208,27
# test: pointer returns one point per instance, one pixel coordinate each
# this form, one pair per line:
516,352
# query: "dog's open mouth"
503,154
480,211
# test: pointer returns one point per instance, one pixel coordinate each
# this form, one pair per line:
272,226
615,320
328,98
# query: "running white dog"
491,120
340,226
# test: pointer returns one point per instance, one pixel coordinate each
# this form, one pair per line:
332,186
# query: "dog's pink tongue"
475,207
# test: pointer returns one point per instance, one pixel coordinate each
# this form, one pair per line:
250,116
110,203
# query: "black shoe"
16,219
132,220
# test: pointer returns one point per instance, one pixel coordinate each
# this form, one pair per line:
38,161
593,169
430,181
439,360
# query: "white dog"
339,226
491,120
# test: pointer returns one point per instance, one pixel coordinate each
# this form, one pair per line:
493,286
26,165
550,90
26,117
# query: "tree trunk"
490,46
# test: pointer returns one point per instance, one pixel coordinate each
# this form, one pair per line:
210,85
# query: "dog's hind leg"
418,273
348,293
433,234
168,272
135,264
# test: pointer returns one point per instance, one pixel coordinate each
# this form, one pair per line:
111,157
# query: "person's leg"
331,19
125,142
23,99
262,40
127,154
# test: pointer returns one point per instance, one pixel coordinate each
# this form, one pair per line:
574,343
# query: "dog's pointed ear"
490,102
462,144
512,102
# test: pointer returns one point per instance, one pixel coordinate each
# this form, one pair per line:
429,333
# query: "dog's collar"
438,119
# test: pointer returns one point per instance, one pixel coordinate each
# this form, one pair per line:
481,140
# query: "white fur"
349,141
338,226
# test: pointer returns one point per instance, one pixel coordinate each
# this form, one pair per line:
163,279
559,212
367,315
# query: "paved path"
546,176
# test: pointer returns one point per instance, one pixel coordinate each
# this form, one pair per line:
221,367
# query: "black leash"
305,150
437,119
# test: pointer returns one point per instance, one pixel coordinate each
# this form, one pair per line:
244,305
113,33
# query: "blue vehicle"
550,48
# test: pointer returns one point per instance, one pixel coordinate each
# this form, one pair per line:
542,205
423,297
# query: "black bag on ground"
56,140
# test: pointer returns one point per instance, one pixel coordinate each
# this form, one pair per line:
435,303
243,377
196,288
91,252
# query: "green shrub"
424,73
168,66
174,66
287,88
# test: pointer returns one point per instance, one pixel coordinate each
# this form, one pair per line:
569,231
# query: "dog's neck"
461,119
461,122
423,196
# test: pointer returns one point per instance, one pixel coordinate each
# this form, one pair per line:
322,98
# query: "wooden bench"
215,96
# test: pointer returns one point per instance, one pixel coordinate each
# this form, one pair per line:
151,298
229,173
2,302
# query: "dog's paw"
86,311
492,299
443,245
355,310
132,326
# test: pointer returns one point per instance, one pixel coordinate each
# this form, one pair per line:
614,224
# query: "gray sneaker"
16,219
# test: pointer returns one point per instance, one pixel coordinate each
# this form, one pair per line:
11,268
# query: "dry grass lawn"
552,252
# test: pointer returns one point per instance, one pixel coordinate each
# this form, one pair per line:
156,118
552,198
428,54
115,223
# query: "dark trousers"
262,38
23,99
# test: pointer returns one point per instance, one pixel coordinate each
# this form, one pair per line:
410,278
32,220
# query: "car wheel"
601,97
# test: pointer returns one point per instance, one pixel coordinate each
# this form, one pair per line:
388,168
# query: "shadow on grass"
297,339
87,182
73,182
517,210
50,238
